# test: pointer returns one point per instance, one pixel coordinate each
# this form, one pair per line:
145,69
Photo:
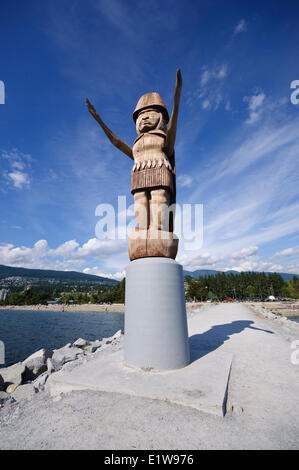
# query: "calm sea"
26,331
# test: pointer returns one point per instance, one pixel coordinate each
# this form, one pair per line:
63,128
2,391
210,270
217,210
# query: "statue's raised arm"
172,126
116,141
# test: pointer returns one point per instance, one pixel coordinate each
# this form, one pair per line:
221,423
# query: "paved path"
263,410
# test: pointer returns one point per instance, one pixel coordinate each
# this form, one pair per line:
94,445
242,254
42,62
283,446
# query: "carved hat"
151,100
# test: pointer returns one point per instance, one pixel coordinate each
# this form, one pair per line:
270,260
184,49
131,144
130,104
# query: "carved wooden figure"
153,182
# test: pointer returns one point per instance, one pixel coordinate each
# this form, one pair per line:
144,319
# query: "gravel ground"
263,410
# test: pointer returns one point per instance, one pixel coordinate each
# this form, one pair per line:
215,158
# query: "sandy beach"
113,308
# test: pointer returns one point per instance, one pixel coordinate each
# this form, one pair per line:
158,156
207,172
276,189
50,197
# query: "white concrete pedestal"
156,333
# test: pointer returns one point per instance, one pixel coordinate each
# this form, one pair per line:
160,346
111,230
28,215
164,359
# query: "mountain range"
74,276
45,274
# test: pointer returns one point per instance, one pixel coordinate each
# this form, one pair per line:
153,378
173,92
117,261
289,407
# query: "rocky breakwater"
23,379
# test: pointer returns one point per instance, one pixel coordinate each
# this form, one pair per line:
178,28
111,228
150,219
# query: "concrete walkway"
262,407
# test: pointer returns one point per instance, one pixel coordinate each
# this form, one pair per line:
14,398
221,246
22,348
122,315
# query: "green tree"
250,292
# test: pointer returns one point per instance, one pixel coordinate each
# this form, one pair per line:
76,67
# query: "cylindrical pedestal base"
156,333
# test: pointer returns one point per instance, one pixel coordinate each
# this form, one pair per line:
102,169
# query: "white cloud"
205,78
210,87
240,27
18,179
245,252
244,195
17,161
185,181
99,272
221,72
67,256
255,106
257,146
206,104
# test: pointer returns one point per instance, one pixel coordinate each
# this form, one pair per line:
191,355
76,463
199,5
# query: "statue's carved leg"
159,209
141,209
153,236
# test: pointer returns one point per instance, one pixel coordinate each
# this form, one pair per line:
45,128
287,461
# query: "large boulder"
13,374
93,346
36,364
66,354
81,343
39,383
113,339
50,367
23,391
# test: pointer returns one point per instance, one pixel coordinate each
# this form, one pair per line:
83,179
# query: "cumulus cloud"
99,272
245,252
286,252
246,259
68,255
22,255
17,178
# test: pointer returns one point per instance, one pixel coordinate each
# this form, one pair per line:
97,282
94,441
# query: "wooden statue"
153,182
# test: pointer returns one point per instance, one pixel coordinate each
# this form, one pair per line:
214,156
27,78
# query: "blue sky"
238,132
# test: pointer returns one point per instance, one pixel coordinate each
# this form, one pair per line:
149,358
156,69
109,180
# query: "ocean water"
25,331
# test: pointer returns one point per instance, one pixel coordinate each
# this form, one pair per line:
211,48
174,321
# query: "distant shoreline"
110,308
280,309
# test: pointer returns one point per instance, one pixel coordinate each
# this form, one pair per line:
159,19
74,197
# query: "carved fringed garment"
152,168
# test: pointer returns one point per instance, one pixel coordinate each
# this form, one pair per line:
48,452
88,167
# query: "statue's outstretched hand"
116,141
171,132
91,109
178,78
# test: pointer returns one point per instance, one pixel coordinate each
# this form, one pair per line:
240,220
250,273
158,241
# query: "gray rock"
36,364
50,367
2,387
23,391
39,383
113,338
94,345
5,397
117,335
13,374
81,343
64,355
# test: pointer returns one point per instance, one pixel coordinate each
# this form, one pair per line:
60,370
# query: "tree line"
243,286
221,286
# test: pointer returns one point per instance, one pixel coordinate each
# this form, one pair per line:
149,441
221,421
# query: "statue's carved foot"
152,242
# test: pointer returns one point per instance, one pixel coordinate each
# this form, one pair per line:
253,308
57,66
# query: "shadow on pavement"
202,344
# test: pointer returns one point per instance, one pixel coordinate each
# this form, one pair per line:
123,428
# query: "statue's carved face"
147,120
